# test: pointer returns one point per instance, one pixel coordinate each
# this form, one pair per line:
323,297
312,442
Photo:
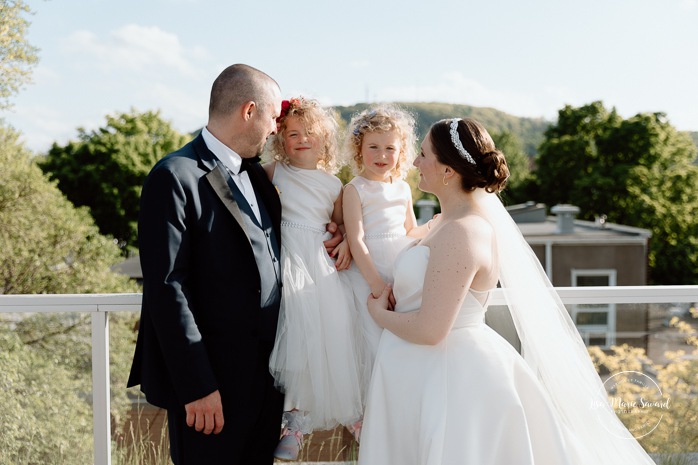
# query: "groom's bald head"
236,85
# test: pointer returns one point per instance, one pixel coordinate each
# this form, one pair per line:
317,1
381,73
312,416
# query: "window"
595,322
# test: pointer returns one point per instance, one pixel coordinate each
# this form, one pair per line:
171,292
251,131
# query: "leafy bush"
45,418
677,431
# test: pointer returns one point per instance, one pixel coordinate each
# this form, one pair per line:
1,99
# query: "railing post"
100,388
426,209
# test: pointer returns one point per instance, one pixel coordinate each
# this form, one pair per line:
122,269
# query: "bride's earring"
444,179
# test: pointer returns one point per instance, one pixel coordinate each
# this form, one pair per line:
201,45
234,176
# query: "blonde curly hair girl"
382,118
317,121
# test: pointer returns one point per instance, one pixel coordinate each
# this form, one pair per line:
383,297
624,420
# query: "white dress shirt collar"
224,153
232,162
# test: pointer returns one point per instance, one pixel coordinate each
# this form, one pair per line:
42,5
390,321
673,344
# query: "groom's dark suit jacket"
203,326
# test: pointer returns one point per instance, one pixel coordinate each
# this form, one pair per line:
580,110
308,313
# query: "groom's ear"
247,109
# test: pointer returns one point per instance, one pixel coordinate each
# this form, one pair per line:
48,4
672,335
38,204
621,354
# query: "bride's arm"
456,254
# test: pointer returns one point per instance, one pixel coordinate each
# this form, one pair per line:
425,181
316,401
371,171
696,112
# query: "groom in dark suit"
209,247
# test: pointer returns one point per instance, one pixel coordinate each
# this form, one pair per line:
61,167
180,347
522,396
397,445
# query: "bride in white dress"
446,389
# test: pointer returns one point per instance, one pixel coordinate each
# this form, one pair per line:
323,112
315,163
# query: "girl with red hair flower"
313,360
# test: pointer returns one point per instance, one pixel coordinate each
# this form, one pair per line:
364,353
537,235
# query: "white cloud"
454,87
187,110
136,48
688,4
84,42
43,125
99,73
45,76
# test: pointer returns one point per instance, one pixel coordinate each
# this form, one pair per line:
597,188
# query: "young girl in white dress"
378,214
313,360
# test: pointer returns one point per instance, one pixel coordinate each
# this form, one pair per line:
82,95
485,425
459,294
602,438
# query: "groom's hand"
206,414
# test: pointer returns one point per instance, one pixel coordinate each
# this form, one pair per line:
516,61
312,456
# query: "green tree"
17,56
44,419
46,387
637,171
49,246
104,169
519,166
46,244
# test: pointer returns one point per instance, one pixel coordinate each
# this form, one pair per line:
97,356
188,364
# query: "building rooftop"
538,227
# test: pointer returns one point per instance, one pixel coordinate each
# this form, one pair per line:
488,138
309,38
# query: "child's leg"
296,423
355,429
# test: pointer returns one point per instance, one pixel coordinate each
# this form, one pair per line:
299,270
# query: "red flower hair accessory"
285,106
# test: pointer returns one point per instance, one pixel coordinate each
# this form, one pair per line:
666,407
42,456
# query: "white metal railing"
100,305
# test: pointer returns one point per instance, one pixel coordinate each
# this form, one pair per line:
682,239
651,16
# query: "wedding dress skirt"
469,400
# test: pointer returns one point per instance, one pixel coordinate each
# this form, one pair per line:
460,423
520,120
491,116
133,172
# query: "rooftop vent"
565,217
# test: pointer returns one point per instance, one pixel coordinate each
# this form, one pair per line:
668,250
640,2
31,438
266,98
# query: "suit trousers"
249,436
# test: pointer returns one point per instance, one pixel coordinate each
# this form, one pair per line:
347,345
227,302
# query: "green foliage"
694,138
44,417
105,169
677,432
519,167
46,388
638,172
17,56
46,244
122,343
529,131
49,246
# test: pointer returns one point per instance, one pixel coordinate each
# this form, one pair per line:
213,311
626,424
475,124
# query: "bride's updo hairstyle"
466,146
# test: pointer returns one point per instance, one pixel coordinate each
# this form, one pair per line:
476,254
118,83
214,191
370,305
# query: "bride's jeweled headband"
455,139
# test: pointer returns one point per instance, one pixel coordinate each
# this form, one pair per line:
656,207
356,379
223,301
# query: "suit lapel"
218,176
217,179
267,193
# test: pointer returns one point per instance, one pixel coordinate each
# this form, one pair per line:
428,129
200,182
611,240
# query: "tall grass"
329,446
141,443
675,459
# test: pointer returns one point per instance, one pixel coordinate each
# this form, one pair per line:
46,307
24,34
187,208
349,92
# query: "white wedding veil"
553,348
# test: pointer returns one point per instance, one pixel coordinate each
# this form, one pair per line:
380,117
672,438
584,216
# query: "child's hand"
336,238
342,256
378,288
379,304
391,299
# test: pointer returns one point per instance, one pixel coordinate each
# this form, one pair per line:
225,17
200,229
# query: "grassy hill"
528,130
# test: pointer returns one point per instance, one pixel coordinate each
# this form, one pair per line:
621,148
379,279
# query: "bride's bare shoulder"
462,235
471,226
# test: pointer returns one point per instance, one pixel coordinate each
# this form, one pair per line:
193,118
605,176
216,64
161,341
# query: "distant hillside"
528,130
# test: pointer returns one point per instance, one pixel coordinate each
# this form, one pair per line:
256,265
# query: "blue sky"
528,58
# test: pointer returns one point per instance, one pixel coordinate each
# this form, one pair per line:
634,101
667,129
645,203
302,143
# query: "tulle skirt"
383,250
314,357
